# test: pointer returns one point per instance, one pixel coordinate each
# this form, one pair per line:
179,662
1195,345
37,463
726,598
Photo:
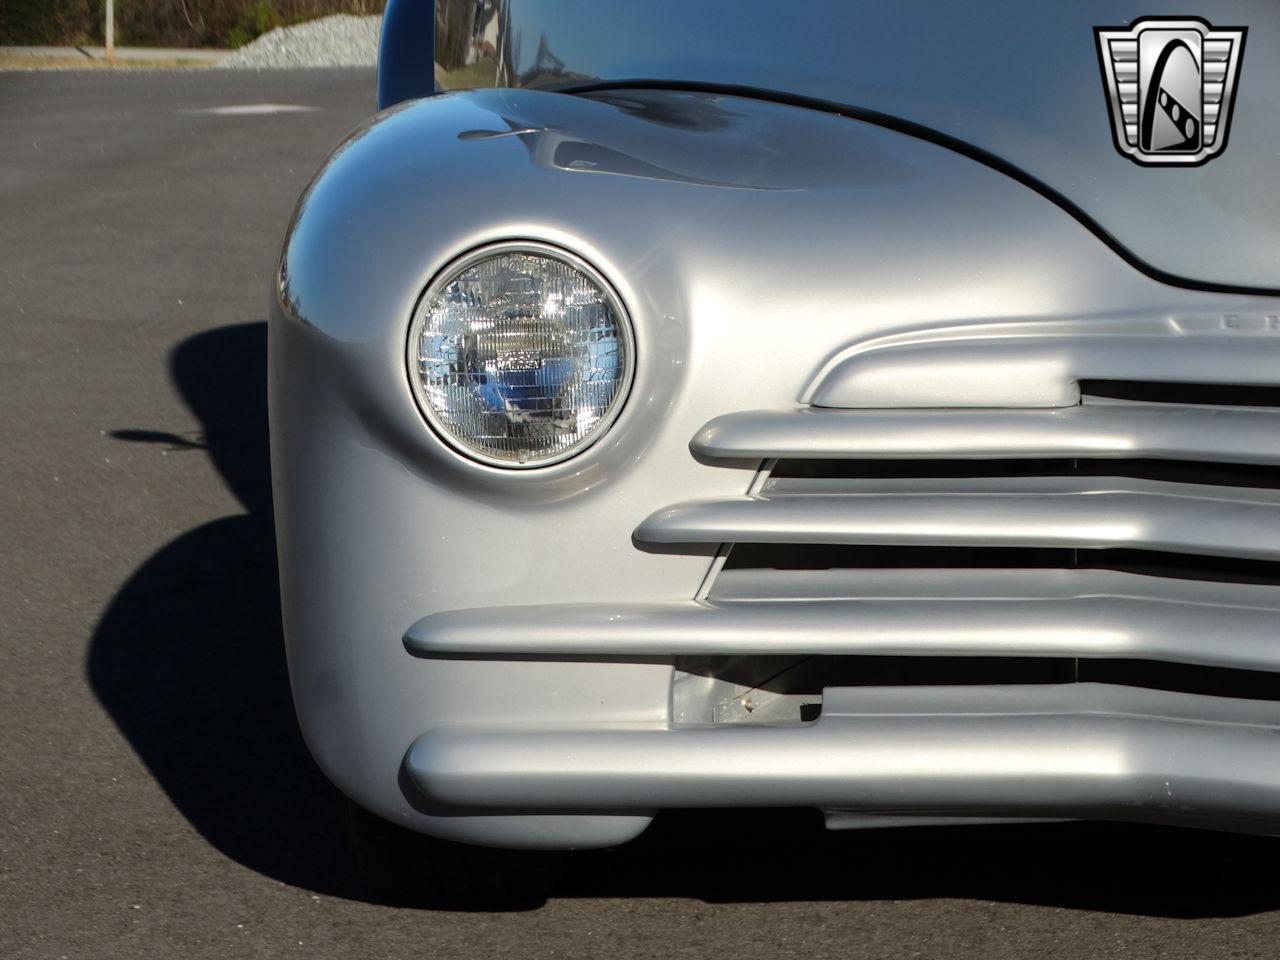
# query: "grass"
478,74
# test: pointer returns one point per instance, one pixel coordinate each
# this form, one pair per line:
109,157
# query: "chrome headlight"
520,354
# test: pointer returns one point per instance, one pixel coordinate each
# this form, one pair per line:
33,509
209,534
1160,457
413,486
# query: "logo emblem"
1170,86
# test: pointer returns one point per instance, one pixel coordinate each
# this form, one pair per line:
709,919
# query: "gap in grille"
808,676
1202,394
1169,471
1182,678
785,556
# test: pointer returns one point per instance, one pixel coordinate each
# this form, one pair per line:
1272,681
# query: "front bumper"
1032,751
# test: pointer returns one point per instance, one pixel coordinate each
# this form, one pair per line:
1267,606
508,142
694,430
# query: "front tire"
406,865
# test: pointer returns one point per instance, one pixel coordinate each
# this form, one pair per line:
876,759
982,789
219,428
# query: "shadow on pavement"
188,658
189,662
754,856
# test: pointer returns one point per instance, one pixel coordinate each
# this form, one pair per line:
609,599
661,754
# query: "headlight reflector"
520,354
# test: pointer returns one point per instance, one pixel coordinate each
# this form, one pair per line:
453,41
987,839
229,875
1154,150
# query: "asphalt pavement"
157,798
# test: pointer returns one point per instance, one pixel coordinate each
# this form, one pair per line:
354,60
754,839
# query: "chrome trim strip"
1248,436
963,370
995,613
1049,512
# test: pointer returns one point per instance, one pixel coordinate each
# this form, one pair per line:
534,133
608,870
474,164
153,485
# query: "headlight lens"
520,355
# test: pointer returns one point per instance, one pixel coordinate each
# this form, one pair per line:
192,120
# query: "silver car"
858,406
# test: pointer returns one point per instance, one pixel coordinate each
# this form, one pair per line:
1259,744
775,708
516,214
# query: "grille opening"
807,677
1179,566
783,674
1182,678
1203,394
1169,471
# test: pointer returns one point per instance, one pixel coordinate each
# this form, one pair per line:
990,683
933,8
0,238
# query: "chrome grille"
1059,611
1067,514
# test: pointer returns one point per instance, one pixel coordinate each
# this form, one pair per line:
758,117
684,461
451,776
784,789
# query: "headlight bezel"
446,275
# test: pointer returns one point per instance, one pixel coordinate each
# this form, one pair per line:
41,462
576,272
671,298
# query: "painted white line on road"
254,109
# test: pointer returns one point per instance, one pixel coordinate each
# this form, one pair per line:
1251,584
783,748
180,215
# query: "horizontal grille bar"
1070,512
1103,430
996,613
1037,371
1075,750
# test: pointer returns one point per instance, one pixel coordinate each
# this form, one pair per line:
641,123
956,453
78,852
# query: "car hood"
1018,85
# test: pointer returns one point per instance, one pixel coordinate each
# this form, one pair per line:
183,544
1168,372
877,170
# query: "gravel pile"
338,41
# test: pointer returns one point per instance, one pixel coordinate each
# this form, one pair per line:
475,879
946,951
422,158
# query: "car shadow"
188,661
758,856
188,658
